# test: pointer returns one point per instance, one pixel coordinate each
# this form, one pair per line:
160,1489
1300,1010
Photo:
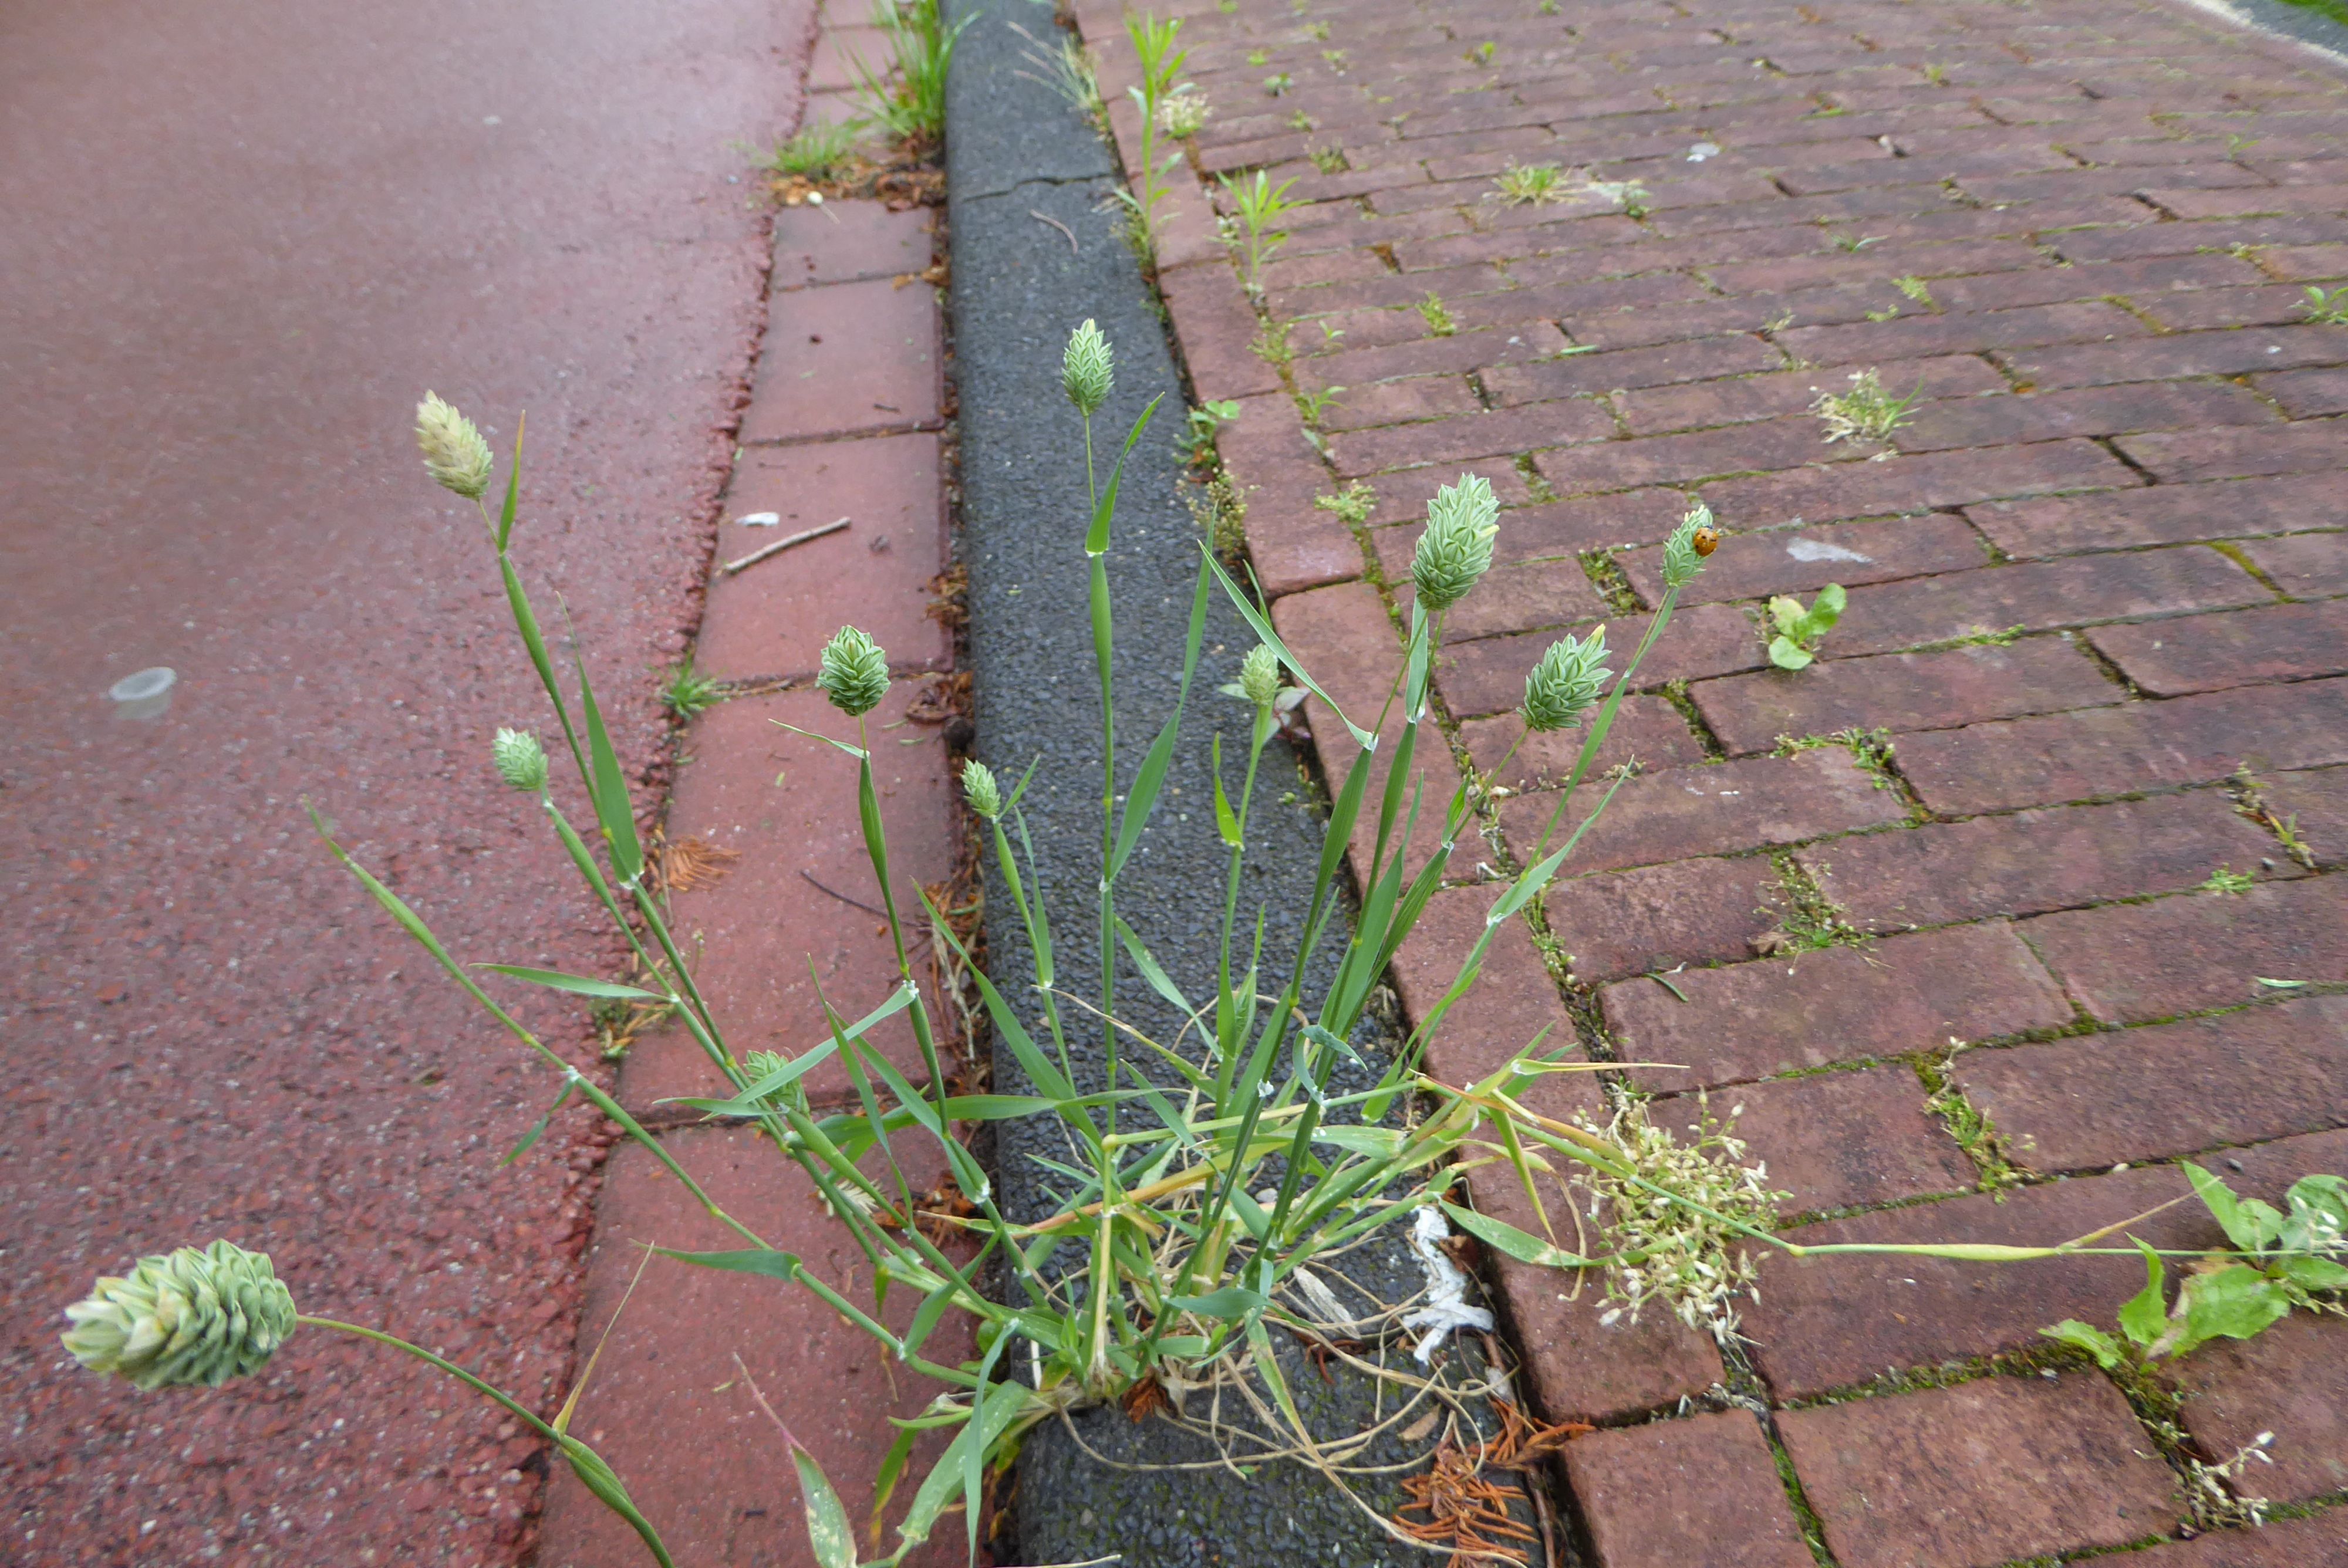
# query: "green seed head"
1260,675
195,1316
855,673
979,788
1681,561
1456,548
1088,370
1566,681
454,453
521,761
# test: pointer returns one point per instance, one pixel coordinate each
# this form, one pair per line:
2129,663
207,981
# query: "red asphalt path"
240,243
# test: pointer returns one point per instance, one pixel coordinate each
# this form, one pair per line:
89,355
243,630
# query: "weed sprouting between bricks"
1196,1197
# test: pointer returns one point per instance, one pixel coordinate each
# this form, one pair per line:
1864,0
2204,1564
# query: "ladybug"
1705,540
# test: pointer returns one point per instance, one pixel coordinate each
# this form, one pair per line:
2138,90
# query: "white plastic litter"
759,519
1818,550
1703,150
1446,1307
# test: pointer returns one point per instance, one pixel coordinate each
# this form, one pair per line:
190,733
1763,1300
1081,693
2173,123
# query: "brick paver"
2097,575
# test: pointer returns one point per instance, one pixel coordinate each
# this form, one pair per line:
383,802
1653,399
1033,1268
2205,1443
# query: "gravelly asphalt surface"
240,244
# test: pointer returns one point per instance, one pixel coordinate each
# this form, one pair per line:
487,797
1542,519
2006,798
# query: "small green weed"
2283,1258
1197,441
1270,345
1855,242
1317,31
2226,879
1779,322
1353,505
1916,289
1528,184
2331,309
1328,160
821,152
1302,121
908,100
1156,49
1437,316
1314,401
1800,630
1482,54
1936,75
1258,58
1967,1123
1277,83
1253,227
1069,69
1888,313
688,692
1867,412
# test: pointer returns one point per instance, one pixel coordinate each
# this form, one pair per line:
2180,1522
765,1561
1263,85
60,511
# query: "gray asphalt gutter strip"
1024,173
2294,21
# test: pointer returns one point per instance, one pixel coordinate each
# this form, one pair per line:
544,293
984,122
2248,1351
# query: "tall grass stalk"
1158,1262
1160,61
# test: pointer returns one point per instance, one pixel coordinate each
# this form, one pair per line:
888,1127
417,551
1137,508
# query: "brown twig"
1055,222
763,551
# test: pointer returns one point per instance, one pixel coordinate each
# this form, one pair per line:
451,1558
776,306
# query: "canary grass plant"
1207,1171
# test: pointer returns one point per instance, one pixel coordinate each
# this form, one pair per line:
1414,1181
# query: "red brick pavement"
847,420
2097,575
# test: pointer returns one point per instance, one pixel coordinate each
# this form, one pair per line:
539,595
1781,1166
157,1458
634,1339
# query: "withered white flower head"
454,453
1088,370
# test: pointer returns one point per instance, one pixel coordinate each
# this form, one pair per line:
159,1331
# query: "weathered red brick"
2038,596
1621,923
774,619
1569,304
1698,359
2305,392
2162,515
2173,1089
847,359
848,242
2080,411
1681,813
1923,482
2209,652
2034,861
1470,436
1983,1472
1216,324
2183,457
1646,728
2253,199
1739,399
2128,963
1684,459
1400,402
1402,499
1489,676
1429,355
2234,353
2304,566
2202,309
1383,289
1845,1004
1698,1492
2112,244
2149,279
1839,1139
1915,336
1794,561
1902,692
2292,1380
